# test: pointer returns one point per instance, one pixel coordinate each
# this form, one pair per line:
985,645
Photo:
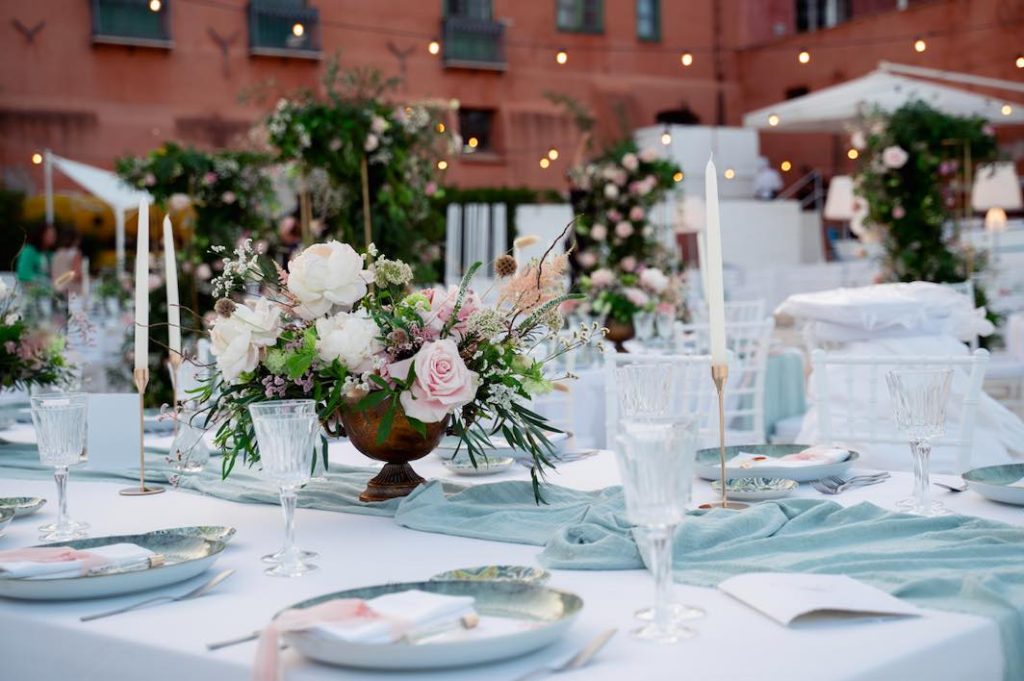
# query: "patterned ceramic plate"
495,573
6,516
1000,483
185,557
515,618
210,532
489,466
708,466
22,506
757,489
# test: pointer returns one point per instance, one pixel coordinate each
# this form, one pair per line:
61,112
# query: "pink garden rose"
623,230
599,232
636,296
442,385
636,213
648,155
586,259
898,212
442,305
894,157
630,162
628,264
602,278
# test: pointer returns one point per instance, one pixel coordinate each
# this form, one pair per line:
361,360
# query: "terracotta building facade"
96,79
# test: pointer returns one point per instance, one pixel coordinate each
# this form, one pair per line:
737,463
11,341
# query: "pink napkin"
267,665
53,554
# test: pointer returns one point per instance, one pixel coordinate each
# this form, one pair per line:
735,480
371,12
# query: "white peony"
352,339
231,344
611,191
654,279
325,275
263,320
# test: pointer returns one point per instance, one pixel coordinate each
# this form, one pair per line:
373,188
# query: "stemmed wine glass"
919,398
646,392
285,433
59,420
655,461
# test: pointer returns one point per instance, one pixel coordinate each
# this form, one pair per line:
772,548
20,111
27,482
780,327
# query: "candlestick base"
720,376
140,491
730,505
141,376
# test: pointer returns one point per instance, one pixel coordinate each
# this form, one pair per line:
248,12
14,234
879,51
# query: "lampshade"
995,220
839,204
996,186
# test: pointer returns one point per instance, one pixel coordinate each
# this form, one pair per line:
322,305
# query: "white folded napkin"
74,563
812,456
418,611
1019,483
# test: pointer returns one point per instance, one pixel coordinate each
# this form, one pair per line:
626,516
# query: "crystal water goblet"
59,420
189,451
643,326
655,460
285,434
919,398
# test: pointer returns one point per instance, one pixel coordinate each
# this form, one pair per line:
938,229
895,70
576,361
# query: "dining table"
45,641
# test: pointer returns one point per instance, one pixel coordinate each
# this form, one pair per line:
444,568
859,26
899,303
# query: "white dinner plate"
996,482
520,617
185,557
709,467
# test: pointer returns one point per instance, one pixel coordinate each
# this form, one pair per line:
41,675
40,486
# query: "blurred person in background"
33,265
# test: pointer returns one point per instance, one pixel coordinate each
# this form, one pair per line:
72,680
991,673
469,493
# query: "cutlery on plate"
194,593
578,660
962,487
836,485
251,636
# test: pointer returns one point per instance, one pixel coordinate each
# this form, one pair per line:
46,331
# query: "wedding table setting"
436,526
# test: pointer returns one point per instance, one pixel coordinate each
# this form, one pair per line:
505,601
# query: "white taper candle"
171,279
142,289
715,293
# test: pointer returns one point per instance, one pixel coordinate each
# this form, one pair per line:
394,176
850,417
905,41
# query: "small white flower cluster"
485,323
235,268
354,384
502,396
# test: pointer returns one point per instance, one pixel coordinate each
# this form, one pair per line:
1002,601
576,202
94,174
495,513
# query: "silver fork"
836,485
194,593
578,660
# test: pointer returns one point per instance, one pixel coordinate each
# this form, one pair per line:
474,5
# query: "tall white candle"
715,294
142,289
171,278
702,262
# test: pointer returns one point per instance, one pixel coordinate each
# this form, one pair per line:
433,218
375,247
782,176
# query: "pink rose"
209,178
630,162
636,213
894,157
636,296
898,212
149,180
648,155
442,385
614,215
586,260
602,278
430,189
598,232
228,197
623,230
442,306
628,264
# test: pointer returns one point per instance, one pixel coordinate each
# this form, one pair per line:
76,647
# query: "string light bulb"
678,176
561,56
442,164
473,142
440,128
729,173
920,45
1019,61
1006,110
155,5
773,120
545,162
852,154
553,154
804,57
666,136
785,166
686,59
433,47
37,158
298,29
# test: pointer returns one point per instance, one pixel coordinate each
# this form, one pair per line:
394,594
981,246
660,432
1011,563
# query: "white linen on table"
168,642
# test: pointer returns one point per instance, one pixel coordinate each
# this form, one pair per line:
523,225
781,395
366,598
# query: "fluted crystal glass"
919,399
655,460
59,420
286,431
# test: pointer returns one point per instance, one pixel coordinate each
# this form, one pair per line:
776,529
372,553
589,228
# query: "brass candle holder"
141,381
720,375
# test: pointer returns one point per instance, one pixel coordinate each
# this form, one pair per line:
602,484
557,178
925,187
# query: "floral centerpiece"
394,369
28,355
619,296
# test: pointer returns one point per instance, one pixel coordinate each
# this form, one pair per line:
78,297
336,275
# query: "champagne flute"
285,433
59,420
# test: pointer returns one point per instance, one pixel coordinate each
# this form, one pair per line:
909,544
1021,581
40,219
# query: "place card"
786,597
112,443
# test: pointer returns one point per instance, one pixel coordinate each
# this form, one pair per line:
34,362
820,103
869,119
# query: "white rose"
263,320
231,343
611,191
654,279
179,202
325,275
894,157
353,339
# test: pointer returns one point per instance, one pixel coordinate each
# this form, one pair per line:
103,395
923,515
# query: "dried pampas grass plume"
525,241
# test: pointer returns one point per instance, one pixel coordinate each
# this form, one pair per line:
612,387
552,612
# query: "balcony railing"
284,30
130,22
473,43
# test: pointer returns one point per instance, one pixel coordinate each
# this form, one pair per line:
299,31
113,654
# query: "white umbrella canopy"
834,108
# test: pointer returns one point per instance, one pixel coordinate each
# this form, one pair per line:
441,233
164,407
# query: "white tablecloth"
46,641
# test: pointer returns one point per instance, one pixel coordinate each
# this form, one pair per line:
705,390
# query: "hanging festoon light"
155,5
920,45
473,142
686,58
553,154
440,127
298,30
434,46
1006,110
804,57
37,158
785,166
544,162
729,174
442,164
852,154
1019,61
666,136
561,57
773,120
677,176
